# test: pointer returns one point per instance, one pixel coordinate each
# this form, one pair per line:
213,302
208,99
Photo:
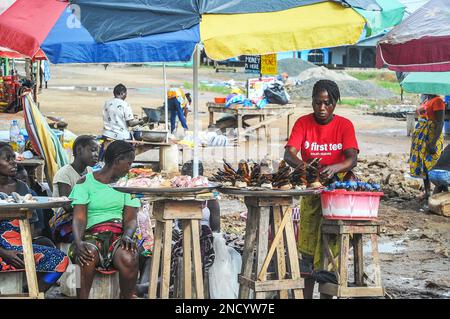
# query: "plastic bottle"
14,136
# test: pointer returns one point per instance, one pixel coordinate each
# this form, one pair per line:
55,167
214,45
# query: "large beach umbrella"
427,83
231,28
421,43
28,26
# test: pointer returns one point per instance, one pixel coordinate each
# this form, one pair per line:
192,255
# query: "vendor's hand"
128,243
14,258
85,254
331,170
431,148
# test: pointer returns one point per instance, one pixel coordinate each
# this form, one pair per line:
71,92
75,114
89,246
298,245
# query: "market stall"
179,198
266,115
22,210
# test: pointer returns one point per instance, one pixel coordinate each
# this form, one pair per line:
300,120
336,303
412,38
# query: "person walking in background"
427,139
178,104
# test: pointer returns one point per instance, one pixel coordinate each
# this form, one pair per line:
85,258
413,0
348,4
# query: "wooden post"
261,245
358,259
156,259
197,259
343,260
281,261
187,265
166,258
249,244
292,253
28,256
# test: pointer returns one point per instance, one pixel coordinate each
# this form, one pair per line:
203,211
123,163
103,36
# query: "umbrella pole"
196,119
166,107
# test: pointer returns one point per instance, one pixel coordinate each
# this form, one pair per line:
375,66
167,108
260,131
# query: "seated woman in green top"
104,222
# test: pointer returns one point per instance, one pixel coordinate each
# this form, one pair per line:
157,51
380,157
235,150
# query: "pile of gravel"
294,67
348,88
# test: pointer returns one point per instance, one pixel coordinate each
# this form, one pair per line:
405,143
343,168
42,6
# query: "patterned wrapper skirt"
420,160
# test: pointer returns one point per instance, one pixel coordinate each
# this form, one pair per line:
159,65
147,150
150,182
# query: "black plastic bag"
275,94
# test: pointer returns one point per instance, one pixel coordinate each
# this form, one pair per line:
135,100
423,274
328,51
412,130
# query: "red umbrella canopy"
22,16
421,43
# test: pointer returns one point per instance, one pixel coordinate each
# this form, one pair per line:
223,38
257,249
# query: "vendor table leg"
28,256
211,118
239,127
197,259
165,268
292,254
248,253
280,257
288,126
358,259
156,259
187,264
263,239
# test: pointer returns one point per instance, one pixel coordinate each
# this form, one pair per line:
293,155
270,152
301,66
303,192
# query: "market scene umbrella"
437,83
420,43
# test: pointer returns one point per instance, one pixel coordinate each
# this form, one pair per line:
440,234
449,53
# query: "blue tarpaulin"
70,42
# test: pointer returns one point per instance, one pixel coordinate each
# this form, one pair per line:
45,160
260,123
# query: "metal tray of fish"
169,190
41,203
265,192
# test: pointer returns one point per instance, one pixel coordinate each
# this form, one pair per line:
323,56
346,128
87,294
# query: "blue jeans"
439,177
176,110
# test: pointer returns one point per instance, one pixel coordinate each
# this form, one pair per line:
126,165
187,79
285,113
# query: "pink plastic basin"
342,204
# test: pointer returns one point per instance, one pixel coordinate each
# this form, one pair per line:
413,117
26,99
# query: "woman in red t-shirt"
427,139
330,137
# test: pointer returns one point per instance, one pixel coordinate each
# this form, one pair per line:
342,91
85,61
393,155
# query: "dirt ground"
415,246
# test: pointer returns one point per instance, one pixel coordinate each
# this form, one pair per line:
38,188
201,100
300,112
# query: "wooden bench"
104,286
344,230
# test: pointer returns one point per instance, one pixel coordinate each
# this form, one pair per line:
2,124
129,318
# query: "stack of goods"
9,86
261,175
355,186
16,198
146,178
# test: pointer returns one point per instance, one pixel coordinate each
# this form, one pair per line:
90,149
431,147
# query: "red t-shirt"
427,109
328,142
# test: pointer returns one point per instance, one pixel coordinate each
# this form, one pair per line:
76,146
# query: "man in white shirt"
118,116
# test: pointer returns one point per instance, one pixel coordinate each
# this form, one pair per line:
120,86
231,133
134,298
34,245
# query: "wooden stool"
256,234
28,257
190,213
343,229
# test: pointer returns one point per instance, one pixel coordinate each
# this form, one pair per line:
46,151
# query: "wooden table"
23,212
267,115
185,206
261,205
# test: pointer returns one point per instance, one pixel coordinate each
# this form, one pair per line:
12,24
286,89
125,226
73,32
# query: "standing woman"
51,263
104,223
330,137
427,139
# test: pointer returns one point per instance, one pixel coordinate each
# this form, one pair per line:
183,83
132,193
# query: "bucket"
348,205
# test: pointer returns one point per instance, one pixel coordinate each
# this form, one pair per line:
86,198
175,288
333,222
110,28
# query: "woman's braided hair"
329,86
118,150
